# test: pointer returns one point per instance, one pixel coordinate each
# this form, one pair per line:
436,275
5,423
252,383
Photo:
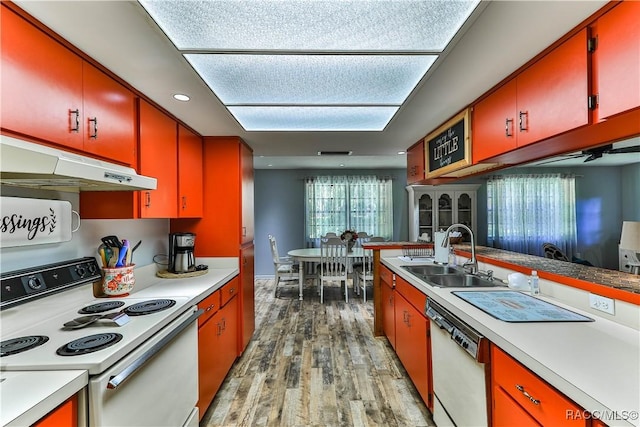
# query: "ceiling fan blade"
622,150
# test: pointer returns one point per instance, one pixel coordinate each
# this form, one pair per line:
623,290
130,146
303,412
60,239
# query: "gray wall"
279,209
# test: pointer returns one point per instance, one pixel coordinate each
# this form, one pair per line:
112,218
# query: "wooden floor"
316,365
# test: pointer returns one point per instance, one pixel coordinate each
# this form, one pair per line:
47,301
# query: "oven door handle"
116,380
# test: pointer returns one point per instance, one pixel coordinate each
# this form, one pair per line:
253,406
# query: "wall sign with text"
448,148
27,222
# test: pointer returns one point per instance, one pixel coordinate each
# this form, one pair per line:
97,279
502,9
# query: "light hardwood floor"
312,364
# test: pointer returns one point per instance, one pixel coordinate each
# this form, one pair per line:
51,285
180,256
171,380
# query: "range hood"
25,164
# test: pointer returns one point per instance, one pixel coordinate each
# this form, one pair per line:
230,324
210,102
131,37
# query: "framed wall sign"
27,222
448,148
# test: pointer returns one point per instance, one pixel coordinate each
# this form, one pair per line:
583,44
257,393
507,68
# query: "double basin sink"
444,276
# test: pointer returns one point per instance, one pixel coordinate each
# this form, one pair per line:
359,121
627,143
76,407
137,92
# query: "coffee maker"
181,255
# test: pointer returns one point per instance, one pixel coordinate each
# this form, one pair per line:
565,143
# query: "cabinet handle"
524,120
184,202
147,202
74,120
527,395
244,231
224,324
93,134
219,329
508,127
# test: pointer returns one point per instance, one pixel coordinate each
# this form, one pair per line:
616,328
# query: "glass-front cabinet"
434,208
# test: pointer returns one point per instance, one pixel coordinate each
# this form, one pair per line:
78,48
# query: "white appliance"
147,377
459,380
25,164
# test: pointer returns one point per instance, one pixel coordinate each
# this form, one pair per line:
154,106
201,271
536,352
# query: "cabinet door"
229,335
444,207
425,215
190,184
465,202
415,163
247,297
388,313
617,59
507,413
246,170
158,158
211,371
41,93
553,93
65,415
109,117
494,123
411,344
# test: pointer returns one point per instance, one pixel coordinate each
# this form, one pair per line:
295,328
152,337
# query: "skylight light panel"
313,118
332,25
311,79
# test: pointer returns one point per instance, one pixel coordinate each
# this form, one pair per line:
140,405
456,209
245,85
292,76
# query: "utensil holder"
118,281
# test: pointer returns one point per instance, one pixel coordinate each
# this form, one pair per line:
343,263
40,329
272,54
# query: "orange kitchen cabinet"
217,342
616,60
411,294
109,117
189,173
388,306
52,94
159,159
226,226
65,415
41,84
548,98
507,413
536,398
412,345
416,163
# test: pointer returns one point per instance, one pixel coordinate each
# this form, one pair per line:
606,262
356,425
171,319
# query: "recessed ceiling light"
341,165
181,97
401,152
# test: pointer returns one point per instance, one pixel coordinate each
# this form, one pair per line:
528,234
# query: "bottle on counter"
534,283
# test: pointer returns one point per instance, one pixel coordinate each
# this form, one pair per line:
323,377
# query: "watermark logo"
606,415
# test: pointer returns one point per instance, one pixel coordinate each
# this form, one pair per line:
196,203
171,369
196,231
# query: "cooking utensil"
130,253
114,257
103,255
112,241
119,318
122,252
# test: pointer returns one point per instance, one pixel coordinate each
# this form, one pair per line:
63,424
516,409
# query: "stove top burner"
18,345
148,307
89,344
101,307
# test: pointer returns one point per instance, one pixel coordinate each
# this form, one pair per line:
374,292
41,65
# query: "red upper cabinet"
553,93
41,84
158,158
190,187
546,99
415,163
109,117
616,60
52,94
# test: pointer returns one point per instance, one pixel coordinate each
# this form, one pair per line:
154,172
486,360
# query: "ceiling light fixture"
181,97
401,153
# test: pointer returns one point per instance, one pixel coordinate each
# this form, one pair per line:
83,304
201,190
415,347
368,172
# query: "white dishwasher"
459,377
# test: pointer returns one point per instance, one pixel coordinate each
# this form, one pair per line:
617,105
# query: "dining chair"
363,273
377,239
285,269
333,265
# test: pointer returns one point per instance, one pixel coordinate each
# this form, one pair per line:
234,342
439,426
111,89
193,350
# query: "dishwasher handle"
116,380
439,320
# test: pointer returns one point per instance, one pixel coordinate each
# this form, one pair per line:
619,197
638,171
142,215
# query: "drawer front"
210,305
544,403
229,290
411,294
386,276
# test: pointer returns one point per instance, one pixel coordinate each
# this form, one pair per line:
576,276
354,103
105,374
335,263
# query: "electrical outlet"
601,303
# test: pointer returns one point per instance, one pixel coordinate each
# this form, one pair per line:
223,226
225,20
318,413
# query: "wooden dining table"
313,255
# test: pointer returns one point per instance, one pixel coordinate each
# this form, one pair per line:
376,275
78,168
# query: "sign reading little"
447,148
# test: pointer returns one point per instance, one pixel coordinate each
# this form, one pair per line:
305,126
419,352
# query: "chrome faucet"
472,264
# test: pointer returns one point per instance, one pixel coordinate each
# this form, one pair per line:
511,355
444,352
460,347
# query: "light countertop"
596,364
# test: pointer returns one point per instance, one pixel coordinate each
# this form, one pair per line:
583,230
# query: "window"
337,203
525,211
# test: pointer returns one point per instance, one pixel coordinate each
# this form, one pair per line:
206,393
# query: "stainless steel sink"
431,269
459,281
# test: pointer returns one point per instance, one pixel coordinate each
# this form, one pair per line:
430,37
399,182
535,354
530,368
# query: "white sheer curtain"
337,203
525,211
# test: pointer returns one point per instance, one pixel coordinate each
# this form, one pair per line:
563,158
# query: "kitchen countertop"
27,396
596,364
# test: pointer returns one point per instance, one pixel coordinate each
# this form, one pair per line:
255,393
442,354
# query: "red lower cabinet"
65,415
521,398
